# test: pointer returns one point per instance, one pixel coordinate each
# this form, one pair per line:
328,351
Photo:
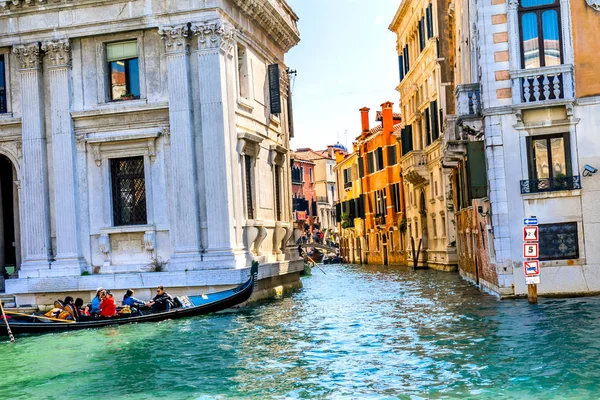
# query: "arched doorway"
10,249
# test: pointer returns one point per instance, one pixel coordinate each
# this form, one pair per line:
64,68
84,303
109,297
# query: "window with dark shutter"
379,153
434,121
248,176
429,14
401,67
392,155
370,163
278,192
361,167
476,169
427,127
3,108
422,34
128,191
406,61
407,143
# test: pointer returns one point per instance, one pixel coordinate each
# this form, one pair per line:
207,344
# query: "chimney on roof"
387,116
364,117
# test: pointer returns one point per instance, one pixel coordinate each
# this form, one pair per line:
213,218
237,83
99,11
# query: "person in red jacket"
108,307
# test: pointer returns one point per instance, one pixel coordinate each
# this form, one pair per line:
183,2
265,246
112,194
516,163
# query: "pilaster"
186,225
68,251
36,218
215,74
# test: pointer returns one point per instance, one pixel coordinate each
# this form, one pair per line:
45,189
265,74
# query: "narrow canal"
357,332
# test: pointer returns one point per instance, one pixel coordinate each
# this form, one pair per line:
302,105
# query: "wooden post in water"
532,293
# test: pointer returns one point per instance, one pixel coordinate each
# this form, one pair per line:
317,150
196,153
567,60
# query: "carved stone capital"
28,55
212,36
58,52
176,38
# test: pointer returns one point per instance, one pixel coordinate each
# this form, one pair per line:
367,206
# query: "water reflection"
357,332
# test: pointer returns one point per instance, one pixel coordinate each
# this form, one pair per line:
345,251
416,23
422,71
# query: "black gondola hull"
238,296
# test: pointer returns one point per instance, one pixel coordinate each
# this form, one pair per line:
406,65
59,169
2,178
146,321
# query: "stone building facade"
540,96
145,143
426,97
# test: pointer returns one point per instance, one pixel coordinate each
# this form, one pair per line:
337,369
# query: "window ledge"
552,195
120,107
245,103
9,119
127,229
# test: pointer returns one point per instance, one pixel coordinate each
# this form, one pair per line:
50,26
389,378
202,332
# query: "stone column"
215,44
68,251
185,227
36,219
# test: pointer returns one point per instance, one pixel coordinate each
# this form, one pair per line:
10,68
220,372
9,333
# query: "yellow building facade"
350,209
426,96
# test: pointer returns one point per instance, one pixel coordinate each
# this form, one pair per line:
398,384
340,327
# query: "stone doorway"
10,245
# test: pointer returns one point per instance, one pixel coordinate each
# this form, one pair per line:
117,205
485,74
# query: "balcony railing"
468,100
322,199
348,185
542,84
414,159
550,184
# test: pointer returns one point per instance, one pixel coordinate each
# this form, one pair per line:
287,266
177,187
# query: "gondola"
191,306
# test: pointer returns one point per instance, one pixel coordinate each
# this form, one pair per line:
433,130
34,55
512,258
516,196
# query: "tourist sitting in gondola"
108,307
162,301
95,308
129,300
81,310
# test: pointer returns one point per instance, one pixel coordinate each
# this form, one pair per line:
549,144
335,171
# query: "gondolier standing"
162,301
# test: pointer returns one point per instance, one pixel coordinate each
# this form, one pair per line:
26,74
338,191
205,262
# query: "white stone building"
540,97
141,144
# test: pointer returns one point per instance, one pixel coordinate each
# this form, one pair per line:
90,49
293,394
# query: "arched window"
541,44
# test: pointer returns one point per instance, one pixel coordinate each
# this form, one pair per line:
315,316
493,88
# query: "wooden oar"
315,264
42,317
10,335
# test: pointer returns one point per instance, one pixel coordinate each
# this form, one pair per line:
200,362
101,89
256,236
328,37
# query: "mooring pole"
532,293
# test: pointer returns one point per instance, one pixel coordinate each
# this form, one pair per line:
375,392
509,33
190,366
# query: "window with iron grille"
559,241
278,192
128,191
248,176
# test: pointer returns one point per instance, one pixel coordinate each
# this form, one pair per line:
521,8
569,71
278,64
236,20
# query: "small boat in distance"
191,306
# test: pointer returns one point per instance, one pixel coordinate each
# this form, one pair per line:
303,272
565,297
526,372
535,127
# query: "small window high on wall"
539,22
3,108
124,70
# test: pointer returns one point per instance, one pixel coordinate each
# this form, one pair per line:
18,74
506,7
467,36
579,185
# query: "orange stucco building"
380,171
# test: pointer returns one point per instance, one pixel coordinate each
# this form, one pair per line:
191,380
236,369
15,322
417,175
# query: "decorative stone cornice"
276,18
28,55
214,35
176,38
58,52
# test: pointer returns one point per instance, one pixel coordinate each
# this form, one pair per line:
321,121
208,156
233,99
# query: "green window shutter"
477,169
121,51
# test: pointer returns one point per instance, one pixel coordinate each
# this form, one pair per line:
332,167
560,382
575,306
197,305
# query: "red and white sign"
530,250
530,234
532,268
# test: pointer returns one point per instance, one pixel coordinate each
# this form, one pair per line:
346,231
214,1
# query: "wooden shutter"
379,159
401,66
422,34
429,14
361,167
476,169
274,89
434,120
428,126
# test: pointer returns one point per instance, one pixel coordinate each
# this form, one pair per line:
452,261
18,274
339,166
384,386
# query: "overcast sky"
346,60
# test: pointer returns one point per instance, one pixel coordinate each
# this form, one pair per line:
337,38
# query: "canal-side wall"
273,279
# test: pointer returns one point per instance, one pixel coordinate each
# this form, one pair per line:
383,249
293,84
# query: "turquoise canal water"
358,332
